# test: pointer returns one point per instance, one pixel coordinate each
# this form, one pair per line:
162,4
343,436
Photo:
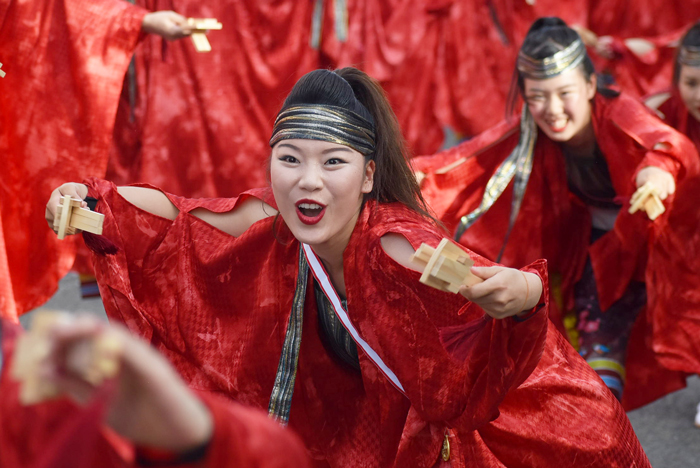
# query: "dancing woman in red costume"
301,300
556,184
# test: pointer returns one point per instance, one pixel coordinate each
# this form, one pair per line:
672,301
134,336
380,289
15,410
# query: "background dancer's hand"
167,24
663,181
505,291
151,405
77,191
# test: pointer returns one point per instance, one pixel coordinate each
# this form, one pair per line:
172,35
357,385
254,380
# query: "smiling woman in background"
556,184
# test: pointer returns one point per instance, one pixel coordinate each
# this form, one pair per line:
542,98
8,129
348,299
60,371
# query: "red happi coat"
65,61
218,307
58,433
554,224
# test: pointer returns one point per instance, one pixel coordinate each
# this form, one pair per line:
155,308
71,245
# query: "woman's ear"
368,182
591,86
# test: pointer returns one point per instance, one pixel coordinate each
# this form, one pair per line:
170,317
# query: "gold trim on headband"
564,60
689,55
326,123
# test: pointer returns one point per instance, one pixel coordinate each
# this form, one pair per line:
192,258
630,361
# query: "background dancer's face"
561,105
689,89
319,187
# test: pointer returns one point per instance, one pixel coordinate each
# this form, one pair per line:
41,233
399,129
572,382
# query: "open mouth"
558,125
310,212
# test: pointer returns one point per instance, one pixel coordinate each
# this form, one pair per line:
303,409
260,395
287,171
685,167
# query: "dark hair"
691,38
546,37
353,89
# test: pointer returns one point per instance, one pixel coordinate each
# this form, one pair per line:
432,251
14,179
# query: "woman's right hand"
75,190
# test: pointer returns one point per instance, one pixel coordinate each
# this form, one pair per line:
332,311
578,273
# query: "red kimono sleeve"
674,301
245,437
402,320
562,415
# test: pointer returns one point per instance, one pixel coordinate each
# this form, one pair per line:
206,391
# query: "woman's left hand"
663,181
504,292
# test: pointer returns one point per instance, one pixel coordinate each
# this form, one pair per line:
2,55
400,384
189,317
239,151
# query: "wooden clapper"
201,26
445,268
34,347
646,198
70,216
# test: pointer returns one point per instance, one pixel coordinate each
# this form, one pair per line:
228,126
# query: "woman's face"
318,187
689,89
561,105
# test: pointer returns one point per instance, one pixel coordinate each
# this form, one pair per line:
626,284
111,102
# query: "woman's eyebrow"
330,150
289,145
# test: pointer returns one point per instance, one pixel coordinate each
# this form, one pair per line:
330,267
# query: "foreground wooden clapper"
446,267
34,347
201,26
646,198
70,216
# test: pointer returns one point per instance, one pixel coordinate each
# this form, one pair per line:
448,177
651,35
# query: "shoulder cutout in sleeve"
238,220
399,249
655,101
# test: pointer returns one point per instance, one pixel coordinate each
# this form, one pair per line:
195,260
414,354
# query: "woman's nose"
311,178
554,106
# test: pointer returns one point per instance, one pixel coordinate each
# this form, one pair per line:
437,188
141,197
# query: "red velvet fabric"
218,307
64,71
554,224
60,434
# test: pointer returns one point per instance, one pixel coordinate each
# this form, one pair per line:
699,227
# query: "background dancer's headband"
564,60
689,55
327,123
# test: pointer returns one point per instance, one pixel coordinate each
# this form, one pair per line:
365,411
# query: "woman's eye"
288,159
535,98
334,161
691,83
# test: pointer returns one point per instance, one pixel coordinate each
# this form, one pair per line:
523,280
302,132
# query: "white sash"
325,283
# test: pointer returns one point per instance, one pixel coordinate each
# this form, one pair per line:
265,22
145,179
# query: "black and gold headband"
327,123
689,55
564,60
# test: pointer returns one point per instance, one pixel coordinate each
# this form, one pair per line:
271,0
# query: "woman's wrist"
534,292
